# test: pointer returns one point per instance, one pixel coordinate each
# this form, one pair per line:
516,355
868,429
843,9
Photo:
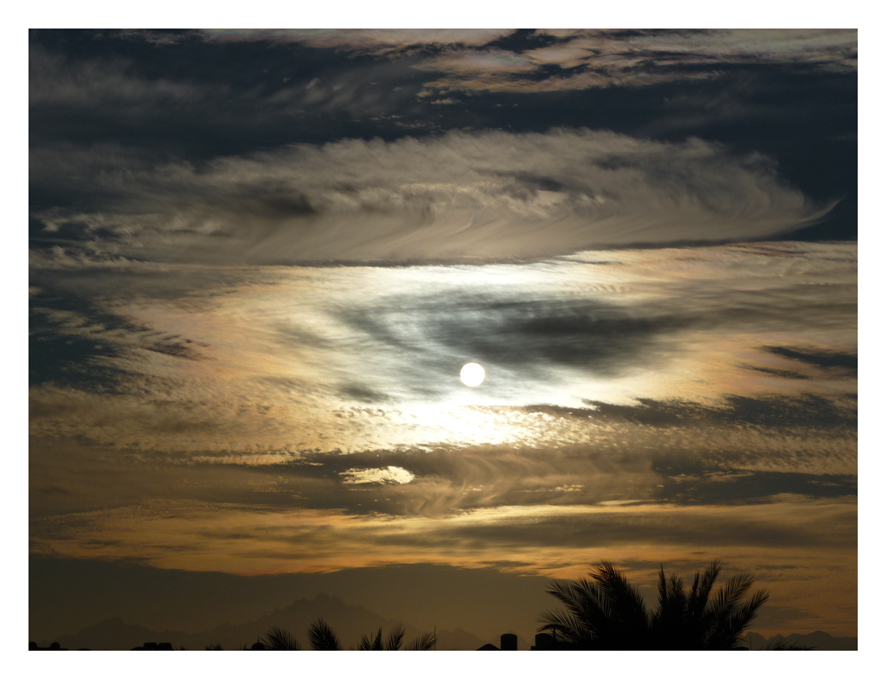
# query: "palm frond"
730,630
367,643
425,642
731,594
322,637
701,591
782,645
569,628
278,639
395,638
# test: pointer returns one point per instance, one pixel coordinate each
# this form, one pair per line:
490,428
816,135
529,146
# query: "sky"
258,260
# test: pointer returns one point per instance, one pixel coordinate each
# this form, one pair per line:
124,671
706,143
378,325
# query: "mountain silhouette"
113,633
459,640
349,622
821,641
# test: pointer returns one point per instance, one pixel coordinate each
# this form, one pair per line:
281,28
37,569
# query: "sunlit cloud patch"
390,474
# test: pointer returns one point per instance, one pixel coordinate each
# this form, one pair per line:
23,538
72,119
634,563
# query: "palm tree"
606,612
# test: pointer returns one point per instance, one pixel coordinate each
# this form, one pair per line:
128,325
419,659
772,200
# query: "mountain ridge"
818,640
350,623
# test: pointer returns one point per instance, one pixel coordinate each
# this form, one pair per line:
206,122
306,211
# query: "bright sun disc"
472,374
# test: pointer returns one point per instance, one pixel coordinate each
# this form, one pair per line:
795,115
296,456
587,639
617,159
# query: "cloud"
461,196
390,41
578,60
817,48
472,60
390,474
55,79
824,359
172,535
633,350
807,410
619,50
518,336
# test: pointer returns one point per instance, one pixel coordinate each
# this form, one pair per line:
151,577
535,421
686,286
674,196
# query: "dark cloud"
809,410
614,529
712,487
72,339
787,374
359,392
821,359
64,345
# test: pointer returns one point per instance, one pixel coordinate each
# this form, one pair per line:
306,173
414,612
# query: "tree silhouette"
606,612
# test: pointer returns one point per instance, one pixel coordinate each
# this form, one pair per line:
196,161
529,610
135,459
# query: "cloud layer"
463,197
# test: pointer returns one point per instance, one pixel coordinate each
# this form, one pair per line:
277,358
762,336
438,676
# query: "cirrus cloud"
458,197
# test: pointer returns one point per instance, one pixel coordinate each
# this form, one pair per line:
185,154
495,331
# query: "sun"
472,374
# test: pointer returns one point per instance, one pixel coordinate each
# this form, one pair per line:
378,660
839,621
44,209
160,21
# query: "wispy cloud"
54,79
171,535
373,40
473,61
595,59
460,196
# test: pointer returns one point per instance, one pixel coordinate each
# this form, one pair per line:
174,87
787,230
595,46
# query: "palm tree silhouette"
606,612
